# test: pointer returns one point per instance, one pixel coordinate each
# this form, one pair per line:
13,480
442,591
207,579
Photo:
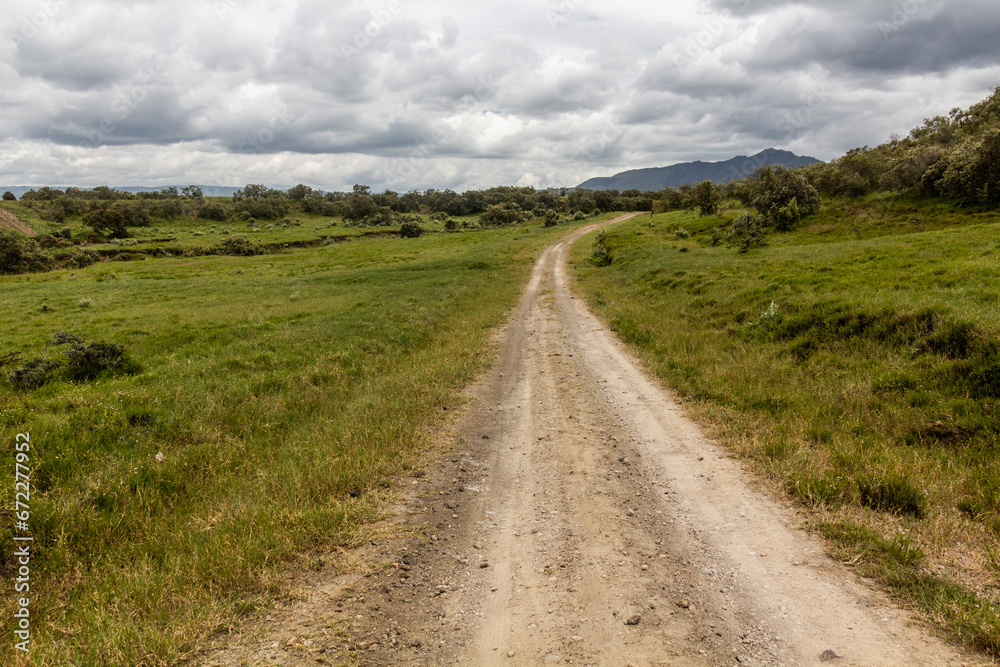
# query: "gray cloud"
442,94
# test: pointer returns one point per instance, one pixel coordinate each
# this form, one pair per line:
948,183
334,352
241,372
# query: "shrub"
894,494
33,374
410,230
117,218
83,258
782,196
601,255
451,224
706,197
88,361
551,218
241,246
19,254
9,196
502,215
213,211
746,232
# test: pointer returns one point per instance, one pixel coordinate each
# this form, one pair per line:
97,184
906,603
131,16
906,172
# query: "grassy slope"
854,363
273,386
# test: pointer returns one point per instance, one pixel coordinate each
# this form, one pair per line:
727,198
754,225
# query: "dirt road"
583,519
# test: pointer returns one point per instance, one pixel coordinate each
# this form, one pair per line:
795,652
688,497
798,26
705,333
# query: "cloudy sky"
412,94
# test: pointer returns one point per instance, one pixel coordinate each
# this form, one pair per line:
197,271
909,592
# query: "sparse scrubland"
203,423
849,352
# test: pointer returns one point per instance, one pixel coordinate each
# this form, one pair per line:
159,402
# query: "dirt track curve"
582,519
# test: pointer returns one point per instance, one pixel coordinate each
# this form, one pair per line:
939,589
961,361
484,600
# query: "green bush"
33,374
894,494
88,361
410,230
240,246
781,196
601,255
19,254
116,218
747,232
706,198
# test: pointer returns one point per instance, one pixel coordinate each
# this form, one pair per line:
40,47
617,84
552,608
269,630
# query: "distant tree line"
955,156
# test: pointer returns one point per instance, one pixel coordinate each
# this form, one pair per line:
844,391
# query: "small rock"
451,504
483,566
486,437
630,513
633,620
510,654
829,655
355,493
684,604
415,643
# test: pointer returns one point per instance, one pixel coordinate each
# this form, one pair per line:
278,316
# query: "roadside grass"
856,365
283,392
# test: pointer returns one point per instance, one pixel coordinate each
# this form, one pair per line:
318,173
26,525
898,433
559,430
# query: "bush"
88,361
747,232
410,230
33,374
117,218
241,246
782,196
83,258
502,215
706,197
601,255
894,494
214,211
19,254
551,218
9,196
451,224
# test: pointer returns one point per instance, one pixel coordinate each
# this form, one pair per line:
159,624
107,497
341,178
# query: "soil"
576,516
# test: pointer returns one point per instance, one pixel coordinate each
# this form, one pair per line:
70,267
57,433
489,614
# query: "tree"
782,196
300,192
361,189
9,196
706,197
115,219
192,191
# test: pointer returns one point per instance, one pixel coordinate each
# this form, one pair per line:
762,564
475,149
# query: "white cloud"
444,94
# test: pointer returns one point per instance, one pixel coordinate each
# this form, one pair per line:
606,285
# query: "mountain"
208,190
658,178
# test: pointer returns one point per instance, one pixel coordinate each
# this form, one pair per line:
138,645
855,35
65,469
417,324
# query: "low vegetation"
214,421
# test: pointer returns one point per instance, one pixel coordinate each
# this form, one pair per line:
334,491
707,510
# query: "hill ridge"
657,178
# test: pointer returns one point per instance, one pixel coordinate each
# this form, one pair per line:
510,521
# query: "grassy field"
854,362
278,395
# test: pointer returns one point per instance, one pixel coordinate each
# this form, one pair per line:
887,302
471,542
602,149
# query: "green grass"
855,363
273,386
